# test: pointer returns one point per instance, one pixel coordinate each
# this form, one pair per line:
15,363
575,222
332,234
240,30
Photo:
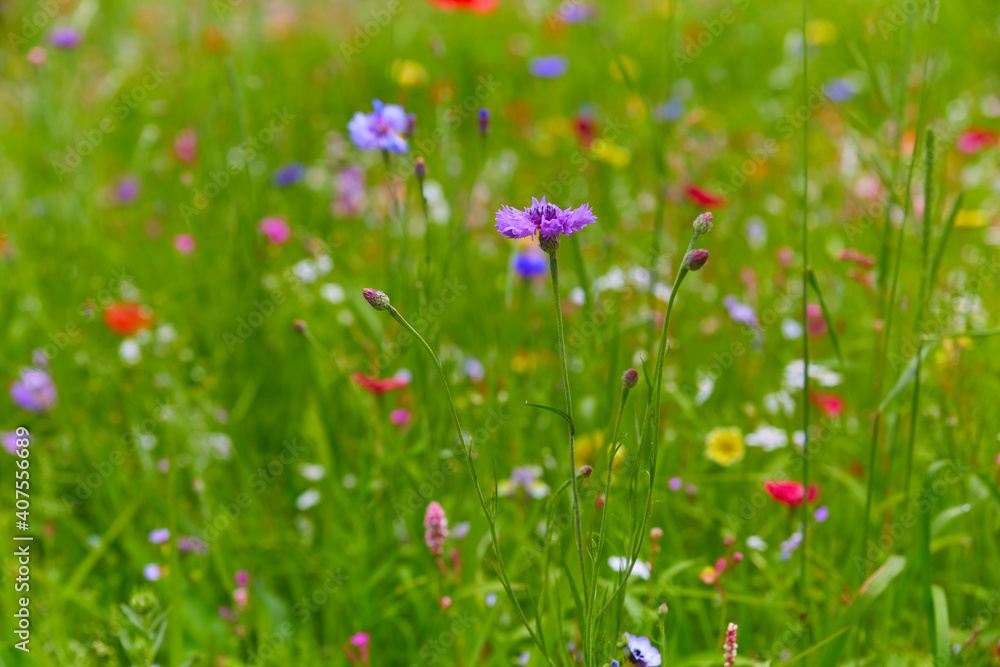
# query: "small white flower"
165,333
756,543
767,438
307,499
130,352
577,296
332,292
306,271
706,383
324,264
779,401
794,376
639,569
312,471
791,329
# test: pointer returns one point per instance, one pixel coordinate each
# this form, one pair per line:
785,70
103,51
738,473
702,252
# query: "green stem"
502,571
803,569
554,270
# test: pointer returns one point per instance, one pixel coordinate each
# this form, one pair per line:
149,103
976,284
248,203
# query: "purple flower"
675,483
9,441
640,652
381,130
152,572
840,90
35,391
576,12
127,190
65,38
531,264
351,197
548,67
822,513
191,544
289,174
483,123
740,312
159,536
672,109
242,578
547,220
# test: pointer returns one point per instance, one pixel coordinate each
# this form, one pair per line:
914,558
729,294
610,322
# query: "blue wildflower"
289,174
640,651
531,264
548,67
840,90
381,130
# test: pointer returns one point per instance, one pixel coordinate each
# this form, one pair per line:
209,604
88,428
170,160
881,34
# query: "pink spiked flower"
730,655
435,528
359,641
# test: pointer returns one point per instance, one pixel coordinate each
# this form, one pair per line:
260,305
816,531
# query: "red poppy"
379,385
830,405
585,129
702,197
976,139
478,6
126,318
789,493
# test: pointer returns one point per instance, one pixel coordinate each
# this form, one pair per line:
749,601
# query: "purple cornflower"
34,391
65,38
740,312
640,651
127,190
351,197
548,67
840,90
289,174
435,528
546,220
381,130
159,536
530,264
822,513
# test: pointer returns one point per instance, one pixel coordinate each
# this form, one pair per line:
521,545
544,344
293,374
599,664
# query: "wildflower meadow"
500,332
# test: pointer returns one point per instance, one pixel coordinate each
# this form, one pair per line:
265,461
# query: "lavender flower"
672,109
159,536
435,528
34,391
740,313
527,478
152,572
351,198
576,12
548,67
546,220
289,174
127,190
191,544
840,90
381,130
65,38
640,652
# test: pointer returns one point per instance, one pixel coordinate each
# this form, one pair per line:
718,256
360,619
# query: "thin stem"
803,570
871,487
502,571
554,270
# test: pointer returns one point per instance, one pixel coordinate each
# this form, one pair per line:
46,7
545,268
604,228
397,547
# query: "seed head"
703,223
695,259
630,378
377,300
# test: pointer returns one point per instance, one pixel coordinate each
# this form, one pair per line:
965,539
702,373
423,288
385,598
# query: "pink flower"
435,528
831,405
275,229
241,597
242,578
186,145
789,493
184,244
976,139
360,641
702,197
400,417
37,55
815,322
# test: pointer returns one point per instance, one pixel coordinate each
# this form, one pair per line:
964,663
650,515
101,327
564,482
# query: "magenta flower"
35,391
359,641
435,528
381,130
546,220
275,229
400,417
242,578
184,244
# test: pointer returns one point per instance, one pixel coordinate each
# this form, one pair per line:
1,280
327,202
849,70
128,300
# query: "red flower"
478,6
377,385
702,197
583,126
789,493
126,318
831,405
976,139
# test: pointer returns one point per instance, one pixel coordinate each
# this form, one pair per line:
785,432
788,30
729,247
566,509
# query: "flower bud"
411,125
549,243
300,325
630,378
377,300
703,223
599,503
695,259
655,534
663,609
484,122
420,169
586,471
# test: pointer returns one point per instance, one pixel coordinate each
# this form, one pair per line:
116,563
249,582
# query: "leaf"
905,378
990,486
942,649
939,253
554,410
834,340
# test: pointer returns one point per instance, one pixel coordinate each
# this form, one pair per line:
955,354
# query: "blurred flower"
191,545
159,536
351,198
702,197
576,12
791,544
795,371
152,572
831,405
639,569
670,110
242,577
611,154
767,438
308,498
821,32
531,264
527,478
186,145
971,218
408,73
400,417
34,391
65,38
379,386
724,446
858,257
184,244
289,174
585,129
675,483
477,6
9,440
639,651
548,67
275,229
546,220
474,369
976,139
127,190
435,528
37,55
822,513
815,322
241,597
483,122
126,318
756,543
729,652
839,90
740,313
381,130
789,493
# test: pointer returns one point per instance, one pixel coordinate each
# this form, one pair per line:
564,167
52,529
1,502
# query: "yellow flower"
725,446
631,68
974,218
821,32
587,446
610,154
409,73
